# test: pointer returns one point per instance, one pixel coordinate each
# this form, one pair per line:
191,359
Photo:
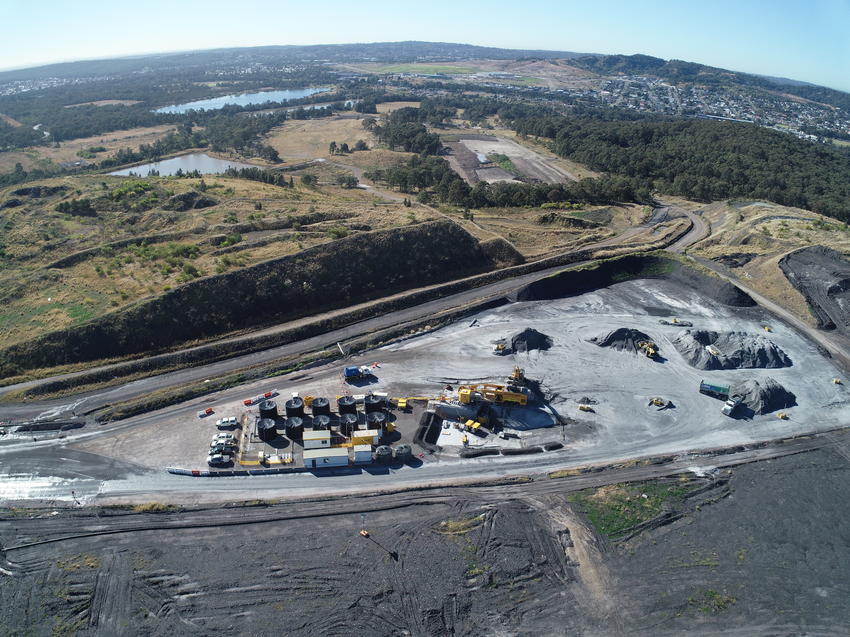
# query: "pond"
241,99
201,162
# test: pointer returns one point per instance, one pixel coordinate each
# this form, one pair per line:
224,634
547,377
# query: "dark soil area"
772,558
624,339
737,350
646,266
822,276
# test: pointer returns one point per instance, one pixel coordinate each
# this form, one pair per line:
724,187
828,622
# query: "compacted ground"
760,549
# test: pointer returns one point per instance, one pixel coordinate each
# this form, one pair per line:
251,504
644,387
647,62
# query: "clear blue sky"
802,39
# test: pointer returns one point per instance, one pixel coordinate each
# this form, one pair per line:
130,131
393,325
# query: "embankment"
321,278
649,265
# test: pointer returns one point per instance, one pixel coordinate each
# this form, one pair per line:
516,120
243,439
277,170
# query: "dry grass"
298,140
768,232
67,150
459,527
77,562
43,300
389,107
11,121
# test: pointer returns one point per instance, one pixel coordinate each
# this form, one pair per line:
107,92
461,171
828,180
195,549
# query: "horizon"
778,39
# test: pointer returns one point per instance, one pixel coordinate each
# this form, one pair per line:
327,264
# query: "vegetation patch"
617,508
710,602
78,562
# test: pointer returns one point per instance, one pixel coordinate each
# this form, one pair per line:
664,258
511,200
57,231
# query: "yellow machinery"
518,374
308,400
494,393
586,408
782,415
658,402
649,348
768,328
836,381
499,348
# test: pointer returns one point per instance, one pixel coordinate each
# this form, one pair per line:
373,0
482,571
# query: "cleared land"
105,103
310,139
472,158
67,151
388,107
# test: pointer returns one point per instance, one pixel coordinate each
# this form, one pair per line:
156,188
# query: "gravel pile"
764,396
624,339
735,350
530,339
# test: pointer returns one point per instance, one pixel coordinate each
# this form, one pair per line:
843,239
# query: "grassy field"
104,103
309,139
388,107
36,299
67,151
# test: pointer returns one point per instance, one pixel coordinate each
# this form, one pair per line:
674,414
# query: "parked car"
223,448
223,437
223,423
218,459
206,412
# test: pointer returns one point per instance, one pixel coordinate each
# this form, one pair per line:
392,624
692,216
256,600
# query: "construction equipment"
782,415
353,373
659,402
587,408
836,381
500,348
767,328
711,349
715,391
649,348
732,404
518,374
468,394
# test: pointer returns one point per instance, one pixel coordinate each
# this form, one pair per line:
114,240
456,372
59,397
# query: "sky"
805,40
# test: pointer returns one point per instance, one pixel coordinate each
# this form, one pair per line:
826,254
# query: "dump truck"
353,373
732,404
715,391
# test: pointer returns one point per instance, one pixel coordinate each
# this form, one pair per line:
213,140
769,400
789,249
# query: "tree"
370,123
344,148
360,145
308,180
332,148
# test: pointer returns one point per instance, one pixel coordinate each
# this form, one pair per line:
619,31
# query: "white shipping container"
318,458
362,454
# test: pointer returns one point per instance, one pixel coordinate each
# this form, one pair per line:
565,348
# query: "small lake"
241,99
201,162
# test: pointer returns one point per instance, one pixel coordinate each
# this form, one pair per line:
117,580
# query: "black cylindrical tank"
403,453
321,422
266,429
373,403
346,405
377,420
383,453
268,409
294,408
294,428
347,423
320,406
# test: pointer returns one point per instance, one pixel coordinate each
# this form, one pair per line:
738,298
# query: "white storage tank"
318,458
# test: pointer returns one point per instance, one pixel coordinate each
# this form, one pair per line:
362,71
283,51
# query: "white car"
223,423
223,437
218,459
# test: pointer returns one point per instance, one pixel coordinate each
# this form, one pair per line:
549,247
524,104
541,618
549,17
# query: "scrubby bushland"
352,270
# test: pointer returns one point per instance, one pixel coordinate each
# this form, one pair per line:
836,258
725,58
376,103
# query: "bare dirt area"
473,158
67,151
389,107
11,121
105,103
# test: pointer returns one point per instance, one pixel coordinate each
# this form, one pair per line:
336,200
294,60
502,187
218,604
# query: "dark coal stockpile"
822,276
530,339
624,339
704,349
764,396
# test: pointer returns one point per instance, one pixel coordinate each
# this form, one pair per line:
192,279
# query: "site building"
317,458
317,439
365,437
362,454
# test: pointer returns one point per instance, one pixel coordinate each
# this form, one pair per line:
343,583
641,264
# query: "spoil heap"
704,349
623,339
530,339
764,396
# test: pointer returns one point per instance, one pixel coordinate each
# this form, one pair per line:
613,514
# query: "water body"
201,162
241,99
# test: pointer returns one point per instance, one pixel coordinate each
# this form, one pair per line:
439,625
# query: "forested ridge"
705,159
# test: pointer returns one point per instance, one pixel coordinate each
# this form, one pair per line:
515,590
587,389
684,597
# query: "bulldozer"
649,348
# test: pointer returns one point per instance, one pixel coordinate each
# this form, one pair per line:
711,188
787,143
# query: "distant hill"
681,71
373,52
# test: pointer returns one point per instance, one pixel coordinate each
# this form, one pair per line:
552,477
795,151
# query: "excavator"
649,348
